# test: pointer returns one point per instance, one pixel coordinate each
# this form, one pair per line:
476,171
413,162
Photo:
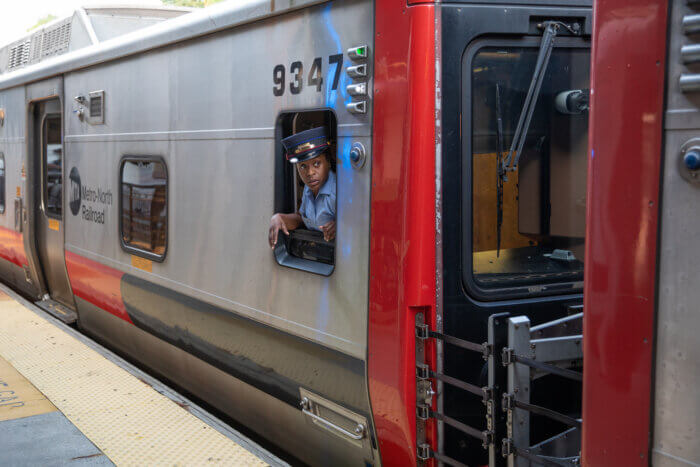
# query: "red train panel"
402,250
622,224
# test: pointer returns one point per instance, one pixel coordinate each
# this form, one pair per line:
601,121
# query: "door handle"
360,430
18,214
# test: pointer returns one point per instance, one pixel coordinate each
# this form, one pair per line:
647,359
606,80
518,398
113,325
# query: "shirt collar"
329,187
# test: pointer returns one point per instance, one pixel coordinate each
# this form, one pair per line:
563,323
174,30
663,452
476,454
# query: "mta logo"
75,191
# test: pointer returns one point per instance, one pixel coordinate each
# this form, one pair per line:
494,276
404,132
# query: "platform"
66,400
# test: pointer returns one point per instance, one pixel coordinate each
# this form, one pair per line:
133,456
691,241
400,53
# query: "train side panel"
676,409
13,260
232,325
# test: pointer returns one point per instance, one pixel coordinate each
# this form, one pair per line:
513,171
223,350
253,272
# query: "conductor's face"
314,172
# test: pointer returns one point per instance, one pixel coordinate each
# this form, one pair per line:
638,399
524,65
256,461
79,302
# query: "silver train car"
143,172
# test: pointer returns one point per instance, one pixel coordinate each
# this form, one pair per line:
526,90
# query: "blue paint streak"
331,96
592,153
334,99
347,247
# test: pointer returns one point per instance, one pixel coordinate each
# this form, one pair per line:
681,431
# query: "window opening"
2,183
298,135
528,224
53,166
144,207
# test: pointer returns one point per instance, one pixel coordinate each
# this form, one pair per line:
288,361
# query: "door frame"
35,94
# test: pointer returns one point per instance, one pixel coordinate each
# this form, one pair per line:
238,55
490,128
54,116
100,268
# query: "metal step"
57,310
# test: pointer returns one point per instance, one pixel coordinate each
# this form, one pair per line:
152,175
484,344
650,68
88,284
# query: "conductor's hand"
328,230
276,224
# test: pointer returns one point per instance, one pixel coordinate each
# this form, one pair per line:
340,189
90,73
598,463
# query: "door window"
528,224
53,166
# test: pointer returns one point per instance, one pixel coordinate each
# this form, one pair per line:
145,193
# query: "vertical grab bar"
18,214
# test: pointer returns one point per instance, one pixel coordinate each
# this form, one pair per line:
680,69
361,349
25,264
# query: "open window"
304,248
527,231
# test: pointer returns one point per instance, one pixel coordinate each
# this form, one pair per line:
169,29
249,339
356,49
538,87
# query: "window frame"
471,287
3,192
281,193
132,249
45,165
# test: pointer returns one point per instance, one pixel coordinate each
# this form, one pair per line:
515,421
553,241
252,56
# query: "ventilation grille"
19,55
55,41
36,48
40,45
97,108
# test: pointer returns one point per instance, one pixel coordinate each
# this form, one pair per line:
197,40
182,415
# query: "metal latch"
423,411
507,447
423,452
507,402
422,331
488,439
507,356
422,371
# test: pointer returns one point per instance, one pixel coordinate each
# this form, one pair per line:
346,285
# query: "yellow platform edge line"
127,419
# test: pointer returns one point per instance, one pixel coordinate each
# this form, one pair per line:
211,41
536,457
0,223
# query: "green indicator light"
359,52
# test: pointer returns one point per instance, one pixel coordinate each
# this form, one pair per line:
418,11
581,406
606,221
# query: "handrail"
360,429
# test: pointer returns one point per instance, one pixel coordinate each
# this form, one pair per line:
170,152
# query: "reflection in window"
53,156
144,206
2,183
534,234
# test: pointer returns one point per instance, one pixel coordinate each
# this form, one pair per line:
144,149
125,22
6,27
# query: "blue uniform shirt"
320,210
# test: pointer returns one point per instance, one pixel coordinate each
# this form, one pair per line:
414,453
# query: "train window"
305,248
144,206
528,221
53,171
2,183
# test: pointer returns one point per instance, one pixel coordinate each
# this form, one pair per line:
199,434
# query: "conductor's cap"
306,144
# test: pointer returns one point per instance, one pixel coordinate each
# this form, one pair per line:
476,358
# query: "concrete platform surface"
65,400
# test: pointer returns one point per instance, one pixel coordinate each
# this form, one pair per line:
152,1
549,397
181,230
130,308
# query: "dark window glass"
144,222
53,157
2,183
542,210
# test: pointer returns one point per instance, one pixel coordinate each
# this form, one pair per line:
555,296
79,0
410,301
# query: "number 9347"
314,79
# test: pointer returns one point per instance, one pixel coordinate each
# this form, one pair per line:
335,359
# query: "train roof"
84,27
186,26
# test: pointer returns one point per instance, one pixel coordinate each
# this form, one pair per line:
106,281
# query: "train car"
442,324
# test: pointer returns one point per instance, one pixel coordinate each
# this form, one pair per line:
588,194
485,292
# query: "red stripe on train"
97,284
12,247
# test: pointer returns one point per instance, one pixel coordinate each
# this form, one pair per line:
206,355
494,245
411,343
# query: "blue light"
331,96
692,159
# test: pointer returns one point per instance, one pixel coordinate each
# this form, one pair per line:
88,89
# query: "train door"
46,174
514,134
